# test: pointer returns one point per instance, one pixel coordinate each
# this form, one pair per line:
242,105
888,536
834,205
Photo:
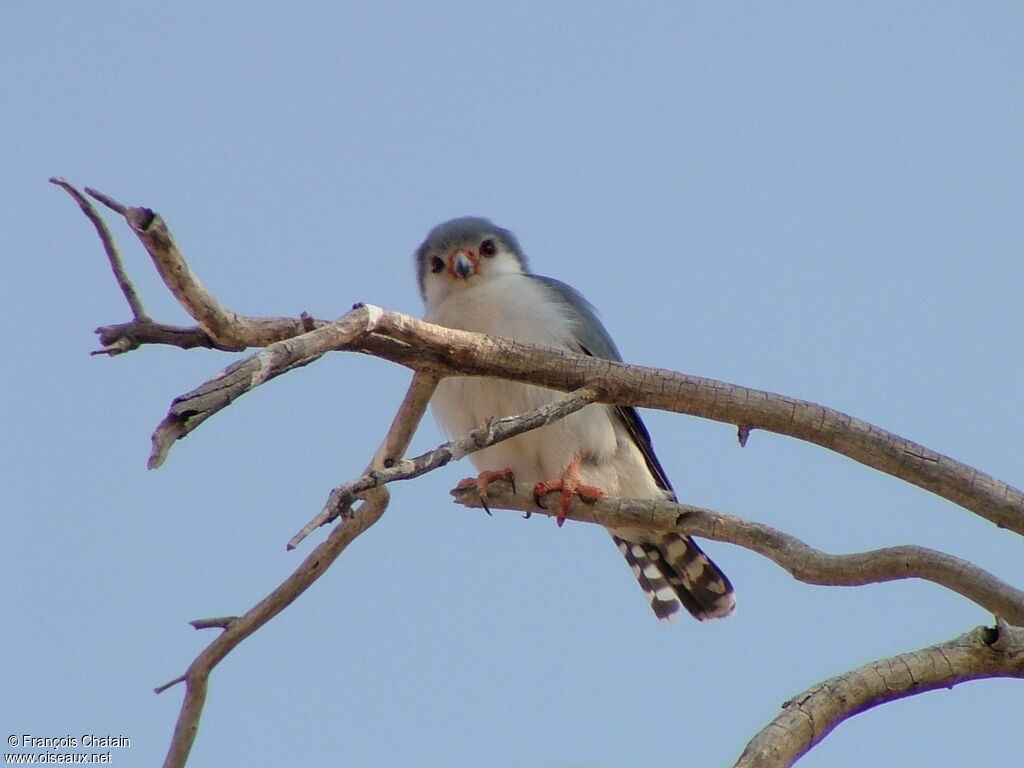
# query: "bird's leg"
569,484
484,479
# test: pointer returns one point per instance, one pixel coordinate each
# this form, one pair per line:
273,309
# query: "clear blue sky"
819,199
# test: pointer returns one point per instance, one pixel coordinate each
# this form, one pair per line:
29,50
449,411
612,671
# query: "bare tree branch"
193,408
107,200
433,352
236,629
124,337
407,419
422,346
198,673
624,384
806,719
450,352
228,329
113,254
803,562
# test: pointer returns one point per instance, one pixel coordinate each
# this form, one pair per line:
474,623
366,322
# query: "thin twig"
113,255
124,337
482,437
229,329
107,200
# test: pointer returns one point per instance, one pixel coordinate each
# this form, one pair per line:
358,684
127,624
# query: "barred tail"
673,572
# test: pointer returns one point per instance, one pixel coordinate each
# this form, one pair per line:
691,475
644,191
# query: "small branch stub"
220,622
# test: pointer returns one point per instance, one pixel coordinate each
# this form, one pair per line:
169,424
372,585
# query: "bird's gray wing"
593,340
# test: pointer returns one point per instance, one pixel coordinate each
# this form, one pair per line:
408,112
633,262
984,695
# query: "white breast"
517,307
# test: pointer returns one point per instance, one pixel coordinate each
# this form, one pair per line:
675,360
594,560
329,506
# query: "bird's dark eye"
488,248
436,264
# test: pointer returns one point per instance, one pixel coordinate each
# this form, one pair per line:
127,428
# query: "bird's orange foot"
568,484
484,479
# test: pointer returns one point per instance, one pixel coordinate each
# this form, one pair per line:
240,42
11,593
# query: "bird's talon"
569,484
506,475
484,479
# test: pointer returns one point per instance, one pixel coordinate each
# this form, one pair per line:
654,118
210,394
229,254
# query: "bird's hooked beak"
463,263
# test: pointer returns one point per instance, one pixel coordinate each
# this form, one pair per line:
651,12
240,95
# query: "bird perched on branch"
474,276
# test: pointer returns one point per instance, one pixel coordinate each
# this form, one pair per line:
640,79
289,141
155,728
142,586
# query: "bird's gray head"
461,251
